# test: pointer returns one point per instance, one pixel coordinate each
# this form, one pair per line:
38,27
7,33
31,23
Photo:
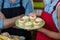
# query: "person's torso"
13,11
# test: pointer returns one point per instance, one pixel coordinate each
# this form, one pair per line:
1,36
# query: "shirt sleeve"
47,5
52,6
0,5
47,2
29,8
1,24
54,3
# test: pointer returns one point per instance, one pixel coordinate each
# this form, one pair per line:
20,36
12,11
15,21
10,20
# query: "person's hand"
40,29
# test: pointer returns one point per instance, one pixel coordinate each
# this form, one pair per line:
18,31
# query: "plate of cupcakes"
30,22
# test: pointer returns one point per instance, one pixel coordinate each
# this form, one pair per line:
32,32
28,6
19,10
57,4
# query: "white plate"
33,28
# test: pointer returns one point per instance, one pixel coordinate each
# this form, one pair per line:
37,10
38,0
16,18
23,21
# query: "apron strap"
2,4
21,3
54,8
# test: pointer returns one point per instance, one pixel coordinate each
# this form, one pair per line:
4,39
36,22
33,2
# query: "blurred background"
38,6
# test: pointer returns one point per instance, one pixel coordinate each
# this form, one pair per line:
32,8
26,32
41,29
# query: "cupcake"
26,18
32,17
28,25
21,22
38,19
36,23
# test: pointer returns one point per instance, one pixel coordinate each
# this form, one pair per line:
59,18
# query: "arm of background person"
58,15
49,33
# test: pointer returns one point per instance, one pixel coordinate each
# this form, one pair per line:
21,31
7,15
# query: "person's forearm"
9,22
59,22
50,33
58,15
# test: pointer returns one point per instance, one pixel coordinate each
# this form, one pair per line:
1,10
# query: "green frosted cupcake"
32,17
26,18
28,25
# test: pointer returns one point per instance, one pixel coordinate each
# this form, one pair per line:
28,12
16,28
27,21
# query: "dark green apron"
13,12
